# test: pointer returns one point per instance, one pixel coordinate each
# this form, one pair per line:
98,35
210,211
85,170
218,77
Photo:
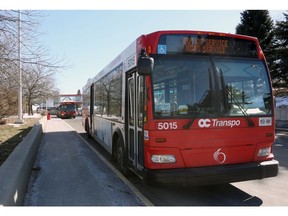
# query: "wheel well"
86,125
117,134
87,128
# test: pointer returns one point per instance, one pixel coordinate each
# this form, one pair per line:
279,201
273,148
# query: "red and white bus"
190,107
66,109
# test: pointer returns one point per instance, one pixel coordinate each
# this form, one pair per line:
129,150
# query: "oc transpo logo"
204,123
219,156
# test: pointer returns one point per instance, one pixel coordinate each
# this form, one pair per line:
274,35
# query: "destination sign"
207,44
212,46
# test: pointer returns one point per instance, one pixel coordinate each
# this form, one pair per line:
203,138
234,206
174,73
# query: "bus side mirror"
145,63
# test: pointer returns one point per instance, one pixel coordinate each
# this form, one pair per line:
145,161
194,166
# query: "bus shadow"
214,195
229,195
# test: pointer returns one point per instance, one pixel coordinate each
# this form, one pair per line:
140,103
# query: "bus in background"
66,110
189,107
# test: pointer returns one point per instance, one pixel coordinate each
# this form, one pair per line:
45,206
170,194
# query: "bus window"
245,84
140,101
205,86
131,101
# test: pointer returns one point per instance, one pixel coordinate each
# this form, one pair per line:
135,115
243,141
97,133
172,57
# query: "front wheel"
121,158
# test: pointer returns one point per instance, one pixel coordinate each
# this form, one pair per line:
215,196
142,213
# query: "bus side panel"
103,132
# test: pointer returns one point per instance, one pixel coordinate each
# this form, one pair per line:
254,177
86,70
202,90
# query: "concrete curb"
16,170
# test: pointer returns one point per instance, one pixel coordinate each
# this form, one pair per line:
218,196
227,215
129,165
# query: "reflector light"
149,49
159,140
269,134
264,152
163,158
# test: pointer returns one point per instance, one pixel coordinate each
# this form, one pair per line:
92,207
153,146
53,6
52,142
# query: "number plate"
265,121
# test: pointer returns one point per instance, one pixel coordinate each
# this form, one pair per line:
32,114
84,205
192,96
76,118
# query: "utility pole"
20,114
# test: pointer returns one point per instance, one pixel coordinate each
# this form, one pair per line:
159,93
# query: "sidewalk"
68,173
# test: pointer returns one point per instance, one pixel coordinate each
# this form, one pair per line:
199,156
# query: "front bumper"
67,115
213,174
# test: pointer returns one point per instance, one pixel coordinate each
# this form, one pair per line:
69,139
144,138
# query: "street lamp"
20,114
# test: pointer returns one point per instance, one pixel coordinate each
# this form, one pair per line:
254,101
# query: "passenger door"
135,120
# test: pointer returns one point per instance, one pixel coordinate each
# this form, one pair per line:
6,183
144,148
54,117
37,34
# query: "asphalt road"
266,192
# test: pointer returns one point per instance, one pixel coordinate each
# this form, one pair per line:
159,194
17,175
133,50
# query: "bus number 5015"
167,125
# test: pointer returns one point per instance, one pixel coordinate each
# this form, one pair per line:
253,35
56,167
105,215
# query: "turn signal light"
159,140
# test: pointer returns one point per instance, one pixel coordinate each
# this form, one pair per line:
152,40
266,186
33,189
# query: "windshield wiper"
188,125
242,109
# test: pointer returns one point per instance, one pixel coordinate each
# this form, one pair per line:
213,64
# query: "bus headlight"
163,158
264,152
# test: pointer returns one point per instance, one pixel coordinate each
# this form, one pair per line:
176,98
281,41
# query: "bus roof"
200,33
128,58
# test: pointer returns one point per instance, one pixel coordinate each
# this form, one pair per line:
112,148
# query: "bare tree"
38,67
39,85
8,91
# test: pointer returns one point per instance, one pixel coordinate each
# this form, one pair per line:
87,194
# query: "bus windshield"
205,86
68,107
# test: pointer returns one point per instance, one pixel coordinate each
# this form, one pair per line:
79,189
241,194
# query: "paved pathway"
71,174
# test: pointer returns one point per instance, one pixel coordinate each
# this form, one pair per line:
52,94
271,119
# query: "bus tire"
121,158
87,129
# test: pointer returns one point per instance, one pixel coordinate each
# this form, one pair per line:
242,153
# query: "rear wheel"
87,129
121,157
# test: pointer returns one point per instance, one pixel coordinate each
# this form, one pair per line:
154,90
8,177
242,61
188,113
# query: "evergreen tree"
258,23
280,74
